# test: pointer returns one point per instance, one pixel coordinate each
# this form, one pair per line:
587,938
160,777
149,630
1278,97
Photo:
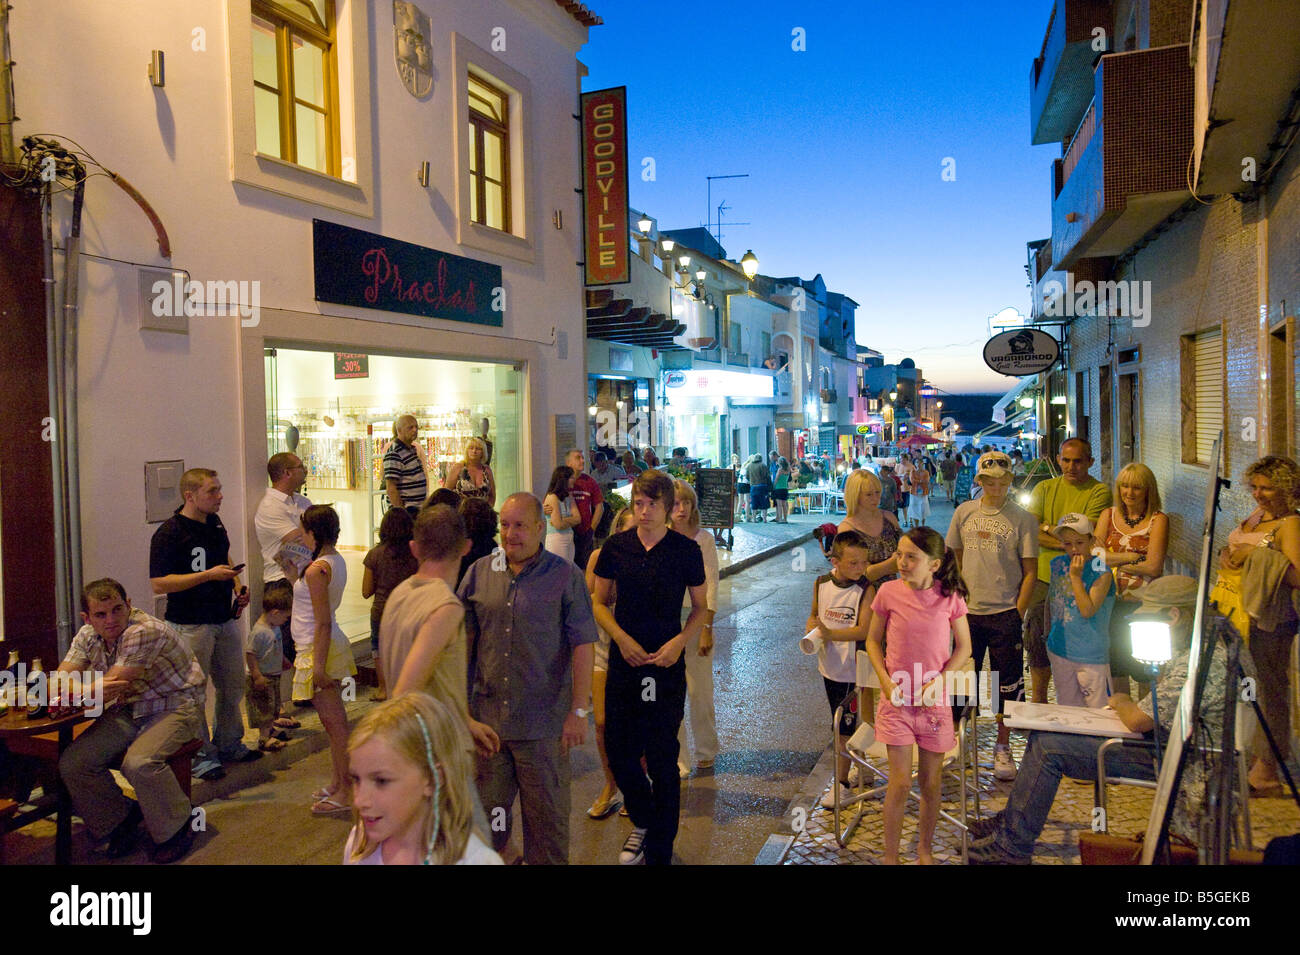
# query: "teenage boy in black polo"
650,569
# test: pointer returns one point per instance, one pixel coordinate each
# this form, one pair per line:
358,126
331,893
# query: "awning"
1014,421
618,320
1001,405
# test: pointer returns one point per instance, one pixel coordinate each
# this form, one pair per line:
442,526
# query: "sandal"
323,793
272,745
329,806
287,723
280,735
606,809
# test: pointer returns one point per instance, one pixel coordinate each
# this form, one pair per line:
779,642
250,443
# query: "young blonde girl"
914,615
411,775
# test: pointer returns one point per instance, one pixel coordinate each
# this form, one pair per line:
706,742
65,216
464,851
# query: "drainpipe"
71,282
54,374
8,157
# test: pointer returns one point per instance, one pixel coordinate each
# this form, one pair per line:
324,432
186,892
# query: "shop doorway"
335,410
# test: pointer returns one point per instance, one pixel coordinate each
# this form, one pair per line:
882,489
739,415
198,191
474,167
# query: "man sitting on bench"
153,692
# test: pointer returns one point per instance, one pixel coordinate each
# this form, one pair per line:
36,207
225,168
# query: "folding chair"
1244,837
866,752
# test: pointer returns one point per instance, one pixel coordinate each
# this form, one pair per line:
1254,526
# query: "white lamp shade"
667,244
1152,641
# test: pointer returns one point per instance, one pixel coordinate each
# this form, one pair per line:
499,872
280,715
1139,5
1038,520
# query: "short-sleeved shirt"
388,567
172,675
402,464
412,602
265,644
948,468
1078,638
992,546
1053,499
651,587
522,631
840,606
587,495
277,515
918,632
184,546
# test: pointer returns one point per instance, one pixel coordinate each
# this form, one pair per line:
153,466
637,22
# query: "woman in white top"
324,656
561,514
411,778
685,519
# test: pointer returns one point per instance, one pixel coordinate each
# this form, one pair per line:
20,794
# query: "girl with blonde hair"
411,777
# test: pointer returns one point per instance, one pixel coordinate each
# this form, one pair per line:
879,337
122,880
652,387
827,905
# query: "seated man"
152,696
1007,838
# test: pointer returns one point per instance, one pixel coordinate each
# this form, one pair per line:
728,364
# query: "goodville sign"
373,271
604,186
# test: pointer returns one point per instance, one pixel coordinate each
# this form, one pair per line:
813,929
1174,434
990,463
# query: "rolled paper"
811,642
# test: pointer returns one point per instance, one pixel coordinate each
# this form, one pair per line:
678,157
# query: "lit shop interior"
335,411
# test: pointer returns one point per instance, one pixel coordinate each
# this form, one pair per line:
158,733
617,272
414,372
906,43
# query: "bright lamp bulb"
1152,642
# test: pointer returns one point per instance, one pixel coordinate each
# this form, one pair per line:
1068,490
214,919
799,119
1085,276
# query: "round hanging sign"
1021,352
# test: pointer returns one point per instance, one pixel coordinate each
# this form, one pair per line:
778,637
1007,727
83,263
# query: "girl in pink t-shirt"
915,615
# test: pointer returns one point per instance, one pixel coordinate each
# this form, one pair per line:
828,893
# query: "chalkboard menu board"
964,476
716,490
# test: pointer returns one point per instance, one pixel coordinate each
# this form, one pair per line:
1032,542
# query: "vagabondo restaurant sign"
365,270
604,186
1021,352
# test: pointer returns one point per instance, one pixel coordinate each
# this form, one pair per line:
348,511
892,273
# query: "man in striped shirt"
152,695
404,467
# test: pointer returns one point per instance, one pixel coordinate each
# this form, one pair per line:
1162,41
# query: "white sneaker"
855,775
1004,765
633,849
828,798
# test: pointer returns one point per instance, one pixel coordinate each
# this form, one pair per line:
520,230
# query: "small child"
411,777
387,564
824,534
915,615
264,652
841,615
1080,598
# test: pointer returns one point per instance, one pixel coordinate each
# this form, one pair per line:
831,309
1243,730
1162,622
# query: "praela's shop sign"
604,186
366,270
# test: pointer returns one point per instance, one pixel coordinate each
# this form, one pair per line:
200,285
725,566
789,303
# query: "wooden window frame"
484,124
1187,395
288,26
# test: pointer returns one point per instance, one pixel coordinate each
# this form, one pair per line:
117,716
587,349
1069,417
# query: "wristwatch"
580,712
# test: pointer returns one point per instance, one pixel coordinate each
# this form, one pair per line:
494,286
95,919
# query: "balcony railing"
1060,79
738,358
1137,144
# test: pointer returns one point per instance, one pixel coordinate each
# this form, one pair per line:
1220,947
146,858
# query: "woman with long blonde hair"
472,477
863,514
411,776
1135,533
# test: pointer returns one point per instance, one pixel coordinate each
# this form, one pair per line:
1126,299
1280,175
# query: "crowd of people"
494,631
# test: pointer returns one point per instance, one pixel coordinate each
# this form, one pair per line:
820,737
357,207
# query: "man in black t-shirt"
650,568
189,560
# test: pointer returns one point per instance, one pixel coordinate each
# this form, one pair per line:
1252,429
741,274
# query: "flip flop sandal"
605,811
281,735
322,793
272,745
287,723
329,806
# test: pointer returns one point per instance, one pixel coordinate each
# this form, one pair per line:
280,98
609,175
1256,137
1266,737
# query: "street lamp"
1152,645
668,245
749,264
893,396
644,224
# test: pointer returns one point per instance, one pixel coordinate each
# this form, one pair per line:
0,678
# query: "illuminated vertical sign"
604,186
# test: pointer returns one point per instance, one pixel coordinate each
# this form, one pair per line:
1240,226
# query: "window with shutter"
1207,358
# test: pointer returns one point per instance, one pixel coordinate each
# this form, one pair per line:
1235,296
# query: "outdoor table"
31,738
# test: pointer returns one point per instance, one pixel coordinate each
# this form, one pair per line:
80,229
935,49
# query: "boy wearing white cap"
1080,598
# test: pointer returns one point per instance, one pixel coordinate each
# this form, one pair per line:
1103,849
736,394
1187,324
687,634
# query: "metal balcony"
1125,169
1060,80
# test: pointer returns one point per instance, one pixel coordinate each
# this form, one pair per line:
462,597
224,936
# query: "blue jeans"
1048,757
220,652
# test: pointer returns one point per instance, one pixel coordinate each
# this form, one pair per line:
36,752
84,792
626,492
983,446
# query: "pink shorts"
929,727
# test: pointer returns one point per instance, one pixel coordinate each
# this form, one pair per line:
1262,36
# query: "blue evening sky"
844,144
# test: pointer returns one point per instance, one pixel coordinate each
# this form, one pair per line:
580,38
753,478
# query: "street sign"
1022,352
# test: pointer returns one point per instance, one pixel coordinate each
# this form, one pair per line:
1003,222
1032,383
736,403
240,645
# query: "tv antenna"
708,208
722,207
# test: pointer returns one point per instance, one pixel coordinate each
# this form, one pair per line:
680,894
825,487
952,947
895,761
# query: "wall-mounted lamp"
668,245
156,72
644,224
423,174
684,261
749,264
